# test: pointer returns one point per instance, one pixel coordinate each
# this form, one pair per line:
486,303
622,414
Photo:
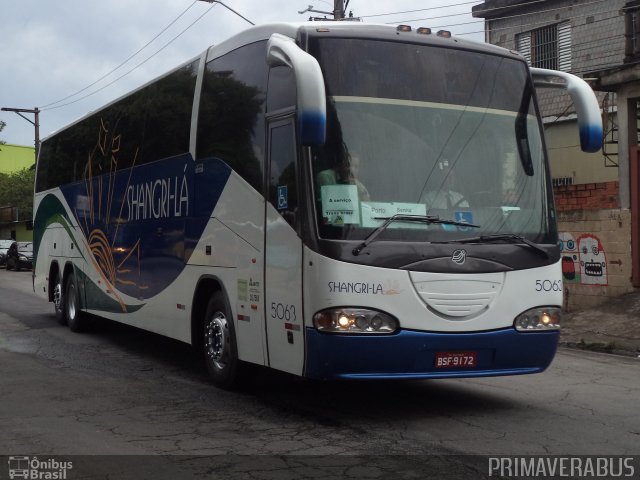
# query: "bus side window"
283,189
231,112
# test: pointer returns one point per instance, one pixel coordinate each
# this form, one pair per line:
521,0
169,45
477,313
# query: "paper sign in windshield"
375,213
340,204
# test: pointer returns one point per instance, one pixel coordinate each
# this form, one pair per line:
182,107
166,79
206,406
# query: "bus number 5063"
548,286
283,311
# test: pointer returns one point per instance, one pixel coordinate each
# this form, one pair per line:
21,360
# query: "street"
120,391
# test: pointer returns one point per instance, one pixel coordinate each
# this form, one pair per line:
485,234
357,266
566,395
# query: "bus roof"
350,29
345,29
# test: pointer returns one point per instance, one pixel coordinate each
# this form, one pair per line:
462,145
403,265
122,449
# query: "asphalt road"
125,402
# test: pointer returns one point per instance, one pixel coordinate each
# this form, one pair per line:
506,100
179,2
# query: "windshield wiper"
511,237
428,219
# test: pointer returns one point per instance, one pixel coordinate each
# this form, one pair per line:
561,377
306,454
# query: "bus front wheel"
219,343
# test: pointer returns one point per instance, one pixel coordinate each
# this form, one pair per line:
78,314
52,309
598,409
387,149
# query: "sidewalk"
612,327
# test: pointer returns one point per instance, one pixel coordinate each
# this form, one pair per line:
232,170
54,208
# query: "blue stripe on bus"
412,354
143,224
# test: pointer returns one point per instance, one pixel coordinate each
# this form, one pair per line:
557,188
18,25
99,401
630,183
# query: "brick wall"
588,196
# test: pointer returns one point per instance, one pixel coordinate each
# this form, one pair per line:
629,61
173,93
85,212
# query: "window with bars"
632,30
547,47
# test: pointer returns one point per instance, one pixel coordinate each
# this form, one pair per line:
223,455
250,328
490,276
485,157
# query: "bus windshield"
428,131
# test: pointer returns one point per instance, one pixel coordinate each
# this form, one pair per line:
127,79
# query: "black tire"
219,346
75,318
7,266
58,299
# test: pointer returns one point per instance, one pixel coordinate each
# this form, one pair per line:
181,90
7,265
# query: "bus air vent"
457,296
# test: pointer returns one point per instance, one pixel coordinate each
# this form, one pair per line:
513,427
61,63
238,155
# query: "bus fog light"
538,319
355,320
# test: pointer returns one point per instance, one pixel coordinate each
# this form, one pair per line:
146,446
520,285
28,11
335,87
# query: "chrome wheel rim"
216,340
57,295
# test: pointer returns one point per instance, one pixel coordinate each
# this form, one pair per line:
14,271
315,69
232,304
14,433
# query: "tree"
16,190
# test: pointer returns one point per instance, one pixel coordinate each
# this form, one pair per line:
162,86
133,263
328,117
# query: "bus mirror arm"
584,100
312,102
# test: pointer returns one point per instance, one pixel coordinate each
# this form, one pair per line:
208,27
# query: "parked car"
4,246
20,255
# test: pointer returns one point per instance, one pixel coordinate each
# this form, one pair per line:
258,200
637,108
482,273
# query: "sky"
61,56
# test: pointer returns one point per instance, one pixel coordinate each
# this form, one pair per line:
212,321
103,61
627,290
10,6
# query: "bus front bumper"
415,355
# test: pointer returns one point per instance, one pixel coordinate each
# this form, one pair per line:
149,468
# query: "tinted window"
148,125
283,191
420,130
231,118
407,71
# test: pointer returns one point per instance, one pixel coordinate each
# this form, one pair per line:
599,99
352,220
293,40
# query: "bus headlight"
538,319
355,320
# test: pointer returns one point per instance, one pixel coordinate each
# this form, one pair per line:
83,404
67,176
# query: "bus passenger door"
283,252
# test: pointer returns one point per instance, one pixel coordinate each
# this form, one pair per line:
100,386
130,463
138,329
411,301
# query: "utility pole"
338,9
35,122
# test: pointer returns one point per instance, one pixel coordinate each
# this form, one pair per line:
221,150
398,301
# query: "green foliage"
16,190
2,125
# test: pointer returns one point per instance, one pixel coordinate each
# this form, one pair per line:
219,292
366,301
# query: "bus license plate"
456,359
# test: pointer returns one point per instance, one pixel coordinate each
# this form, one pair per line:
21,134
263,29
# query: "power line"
508,17
137,66
419,10
576,48
366,16
125,61
526,3
575,17
520,26
448,26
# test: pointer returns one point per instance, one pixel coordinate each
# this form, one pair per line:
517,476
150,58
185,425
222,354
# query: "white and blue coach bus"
337,201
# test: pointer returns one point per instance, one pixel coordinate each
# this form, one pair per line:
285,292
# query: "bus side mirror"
312,102
585,101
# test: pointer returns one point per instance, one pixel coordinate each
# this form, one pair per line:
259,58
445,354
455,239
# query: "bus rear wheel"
219,345
74,316
58,299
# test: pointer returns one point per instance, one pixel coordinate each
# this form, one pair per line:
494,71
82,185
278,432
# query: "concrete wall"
568,160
